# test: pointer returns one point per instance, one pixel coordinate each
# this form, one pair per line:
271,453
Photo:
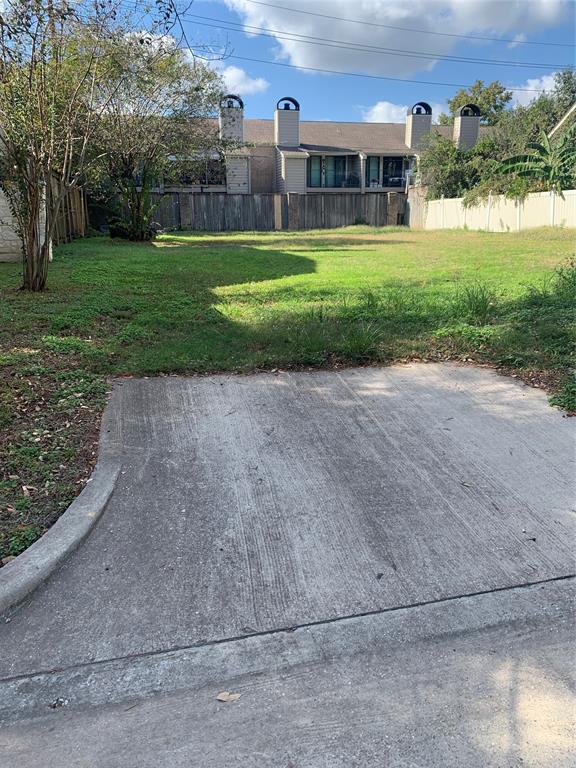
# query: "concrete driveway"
379,559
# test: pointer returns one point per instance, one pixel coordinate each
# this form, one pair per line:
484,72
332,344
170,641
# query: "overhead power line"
370,77
232,26
406,29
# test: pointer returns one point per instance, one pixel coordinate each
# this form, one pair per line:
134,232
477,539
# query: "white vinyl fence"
499,214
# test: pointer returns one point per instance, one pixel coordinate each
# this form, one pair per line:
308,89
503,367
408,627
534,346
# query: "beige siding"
499,214
237,175
417,127
287,127
10,248
295,174
466,130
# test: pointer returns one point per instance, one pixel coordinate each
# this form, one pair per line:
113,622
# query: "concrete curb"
34,566
139,677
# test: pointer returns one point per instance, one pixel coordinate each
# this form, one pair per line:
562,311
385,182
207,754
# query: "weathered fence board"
221,212
327,211
167,210
71,219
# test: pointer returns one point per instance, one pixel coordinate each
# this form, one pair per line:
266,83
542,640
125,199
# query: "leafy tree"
54,56
473,174
449,171
492,100
155,123
548,165
46,117
523,124
441,168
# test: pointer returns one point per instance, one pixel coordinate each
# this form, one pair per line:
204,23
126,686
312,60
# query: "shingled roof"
373,138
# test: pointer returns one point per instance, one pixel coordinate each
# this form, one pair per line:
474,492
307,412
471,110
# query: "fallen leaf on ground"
228,696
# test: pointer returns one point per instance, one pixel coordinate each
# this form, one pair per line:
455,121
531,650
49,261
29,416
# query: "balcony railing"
389,181
350,180
393,181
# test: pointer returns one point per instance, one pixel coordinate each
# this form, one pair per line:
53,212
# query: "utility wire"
407,29
346,74
370,77
232,26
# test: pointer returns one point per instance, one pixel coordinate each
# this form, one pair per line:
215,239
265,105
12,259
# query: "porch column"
362,172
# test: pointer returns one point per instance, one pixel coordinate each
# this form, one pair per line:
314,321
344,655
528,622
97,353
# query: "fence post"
552,207
442,219
185,206
293,210
489,211
392,214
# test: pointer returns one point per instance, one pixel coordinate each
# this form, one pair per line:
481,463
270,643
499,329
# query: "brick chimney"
418,124
231,121
287,123
466,126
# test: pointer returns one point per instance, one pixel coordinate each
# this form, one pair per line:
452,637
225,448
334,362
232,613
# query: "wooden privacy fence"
70,223
71,219
220,212
318,211
224,213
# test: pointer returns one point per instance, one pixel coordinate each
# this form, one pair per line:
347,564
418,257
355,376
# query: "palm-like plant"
553,165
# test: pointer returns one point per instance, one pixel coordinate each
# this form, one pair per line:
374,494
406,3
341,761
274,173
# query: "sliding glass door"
314,171
334,171
372,171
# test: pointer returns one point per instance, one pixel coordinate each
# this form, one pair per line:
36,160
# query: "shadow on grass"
313,243
127,309
194,309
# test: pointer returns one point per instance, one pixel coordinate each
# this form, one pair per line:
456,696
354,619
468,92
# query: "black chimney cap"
287,101
231,101
421,107
469,110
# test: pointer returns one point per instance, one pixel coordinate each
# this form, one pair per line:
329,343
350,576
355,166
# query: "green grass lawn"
237,302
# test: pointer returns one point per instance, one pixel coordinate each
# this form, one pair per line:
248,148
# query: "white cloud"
387,112
517,39
507,18
384,112
524,97
239,81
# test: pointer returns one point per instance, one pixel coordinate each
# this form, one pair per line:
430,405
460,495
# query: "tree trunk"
36,252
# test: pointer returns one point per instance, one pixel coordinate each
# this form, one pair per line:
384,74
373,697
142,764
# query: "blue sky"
356,46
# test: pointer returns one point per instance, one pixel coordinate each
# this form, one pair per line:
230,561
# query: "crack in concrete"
282,630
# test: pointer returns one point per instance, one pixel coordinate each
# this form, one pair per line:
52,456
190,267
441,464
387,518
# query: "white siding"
280,185
287,127
237,175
